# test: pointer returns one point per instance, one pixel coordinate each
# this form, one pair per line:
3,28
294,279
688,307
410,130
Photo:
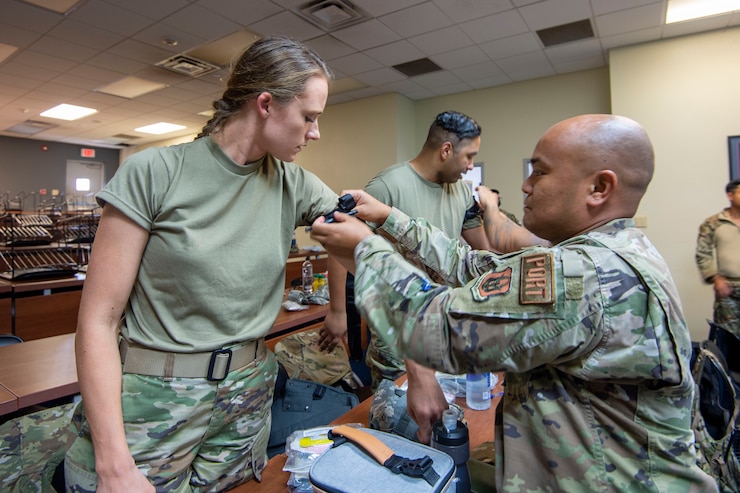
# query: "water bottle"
307,276
450,435
293,244
477,391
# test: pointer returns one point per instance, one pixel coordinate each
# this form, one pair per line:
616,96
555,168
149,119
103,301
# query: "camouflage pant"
384,363
727,311
189,434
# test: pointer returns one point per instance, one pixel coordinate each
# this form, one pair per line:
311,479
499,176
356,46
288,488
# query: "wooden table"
8,401
288,321
40,370
275,480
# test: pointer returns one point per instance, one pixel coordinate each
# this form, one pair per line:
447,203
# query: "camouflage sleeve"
514,316
705,252
445,260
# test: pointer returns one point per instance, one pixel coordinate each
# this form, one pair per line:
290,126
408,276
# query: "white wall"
685,92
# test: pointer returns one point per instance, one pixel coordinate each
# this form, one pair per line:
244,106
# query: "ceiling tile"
415,20
528,66
378,8
495,27
63,49
630,20
201,22
126,22
26,16
243,12
460,58
550,13
328,47
606,6
156,10
286,23
366,35
472,9
442,40
355,64
380,77
395,53
85,34
513,45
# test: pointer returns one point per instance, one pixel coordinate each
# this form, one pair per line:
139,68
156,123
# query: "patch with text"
492,284
537,280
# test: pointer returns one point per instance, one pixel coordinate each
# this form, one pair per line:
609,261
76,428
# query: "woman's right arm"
114,262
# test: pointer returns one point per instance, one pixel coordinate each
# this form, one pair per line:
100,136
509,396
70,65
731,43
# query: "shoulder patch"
492,284
536,279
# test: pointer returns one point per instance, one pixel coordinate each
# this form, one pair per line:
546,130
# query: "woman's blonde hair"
278,65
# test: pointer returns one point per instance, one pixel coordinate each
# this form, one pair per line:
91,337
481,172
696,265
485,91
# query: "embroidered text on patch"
492,284
536,280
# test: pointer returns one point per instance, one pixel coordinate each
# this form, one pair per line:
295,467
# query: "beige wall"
685,92
513,117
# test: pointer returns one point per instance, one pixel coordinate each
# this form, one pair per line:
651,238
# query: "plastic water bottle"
477,391
450,435
307,276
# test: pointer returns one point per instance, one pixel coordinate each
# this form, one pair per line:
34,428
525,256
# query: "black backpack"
302,404
714,413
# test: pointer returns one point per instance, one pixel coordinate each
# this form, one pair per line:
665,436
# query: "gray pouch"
353,466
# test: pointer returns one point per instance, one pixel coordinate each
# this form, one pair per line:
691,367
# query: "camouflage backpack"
714,413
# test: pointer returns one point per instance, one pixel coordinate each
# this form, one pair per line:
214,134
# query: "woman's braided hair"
278,65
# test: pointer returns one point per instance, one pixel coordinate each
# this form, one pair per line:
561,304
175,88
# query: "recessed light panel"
68,112
684,10
131,87
159,128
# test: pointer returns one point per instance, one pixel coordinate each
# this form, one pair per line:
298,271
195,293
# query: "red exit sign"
88,152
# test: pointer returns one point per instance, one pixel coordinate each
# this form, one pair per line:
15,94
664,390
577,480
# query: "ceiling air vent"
186,65
30,127
330,15
566,33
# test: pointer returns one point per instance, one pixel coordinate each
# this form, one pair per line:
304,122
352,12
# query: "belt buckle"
217,364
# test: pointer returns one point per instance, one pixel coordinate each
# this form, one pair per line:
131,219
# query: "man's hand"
722,288
340,237
425,401
368,207
333,330
487,198
128,480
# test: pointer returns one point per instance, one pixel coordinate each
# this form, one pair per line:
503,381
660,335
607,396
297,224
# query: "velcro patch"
536,280
492,284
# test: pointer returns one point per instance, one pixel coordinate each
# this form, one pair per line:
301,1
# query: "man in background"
429,186
718,259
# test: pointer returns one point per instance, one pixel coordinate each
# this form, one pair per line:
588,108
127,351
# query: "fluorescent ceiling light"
68,112
131,87
684,10
159,128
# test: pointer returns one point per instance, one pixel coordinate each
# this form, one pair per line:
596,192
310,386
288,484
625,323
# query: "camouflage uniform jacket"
717,247
591,333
